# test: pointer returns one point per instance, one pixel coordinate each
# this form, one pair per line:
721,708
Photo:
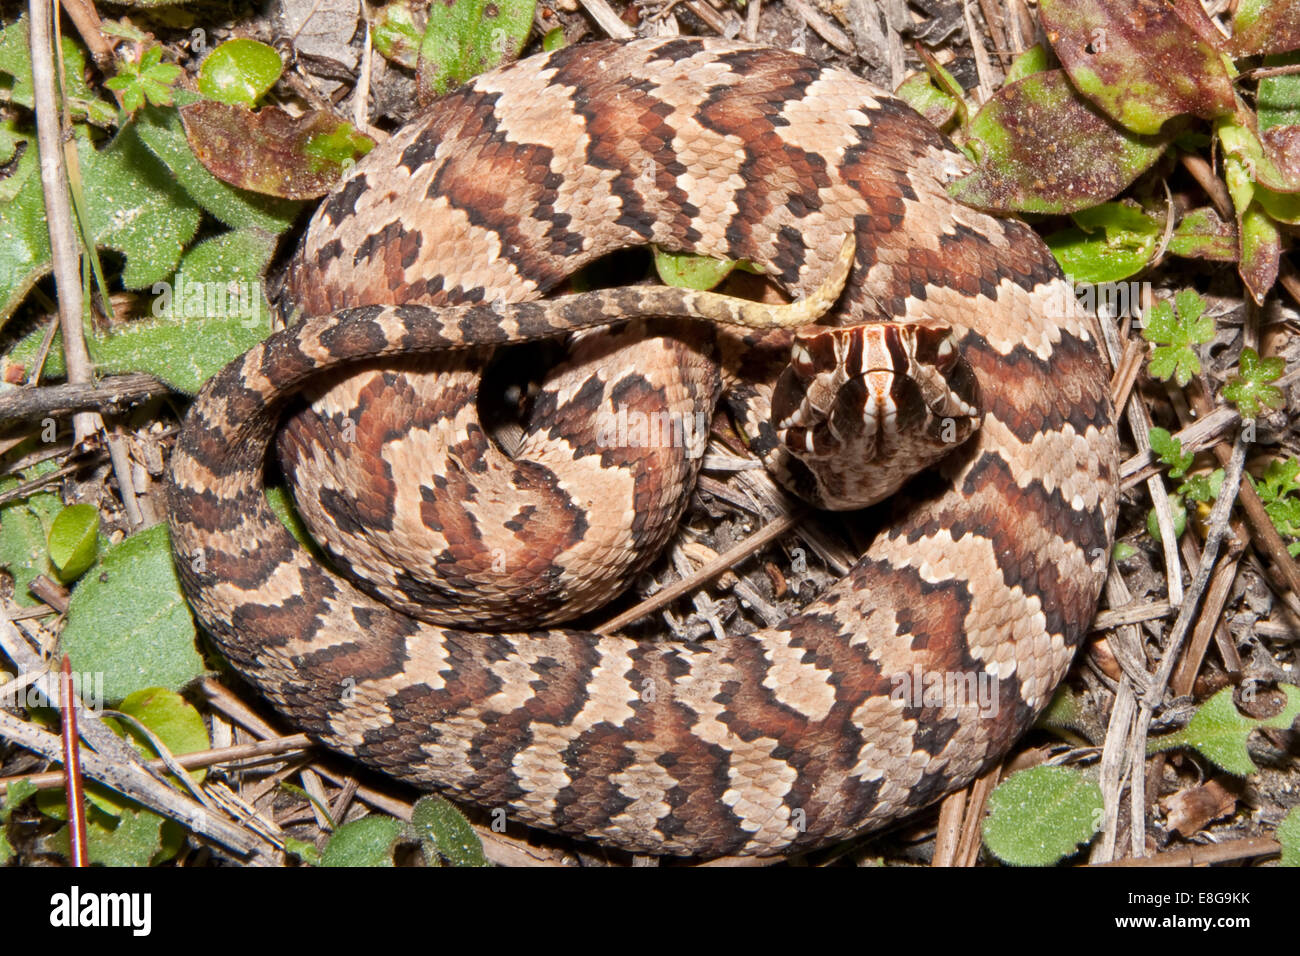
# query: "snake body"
761,743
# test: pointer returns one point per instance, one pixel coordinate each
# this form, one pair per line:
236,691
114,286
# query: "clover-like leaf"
1251,389
1170,451
15,63
1176,335
1278,490
148,80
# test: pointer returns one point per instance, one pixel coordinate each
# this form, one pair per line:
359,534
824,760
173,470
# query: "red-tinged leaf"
1202,234
267,151
1193,14
1248,162
1265,26
1261,252
1042,148
1138,60
1282,150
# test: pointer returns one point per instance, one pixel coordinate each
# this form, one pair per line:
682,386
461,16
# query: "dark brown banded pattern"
764,743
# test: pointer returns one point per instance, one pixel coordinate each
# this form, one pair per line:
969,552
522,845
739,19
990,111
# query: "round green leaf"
366,842
171,718
239,71
74,540
1041,815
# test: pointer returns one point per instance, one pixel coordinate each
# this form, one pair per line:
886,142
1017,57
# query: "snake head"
865,407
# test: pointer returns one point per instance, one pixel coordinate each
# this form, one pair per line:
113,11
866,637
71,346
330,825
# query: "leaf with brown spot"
1191,809
1202,234
1139,60
1265,26
1043,148
268,151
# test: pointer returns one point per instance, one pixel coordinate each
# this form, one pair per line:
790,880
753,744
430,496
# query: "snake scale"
441,243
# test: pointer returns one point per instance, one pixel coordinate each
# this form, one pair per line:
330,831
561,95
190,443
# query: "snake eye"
934,346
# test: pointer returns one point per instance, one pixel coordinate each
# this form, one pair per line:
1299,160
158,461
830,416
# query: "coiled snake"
761,743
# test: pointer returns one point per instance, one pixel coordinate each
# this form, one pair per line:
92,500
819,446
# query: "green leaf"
15,63
1288,834
369,841
920,92
1170,451
214,310
303,850
24,525
1033,60
395,35
465,37
1249,389
1278,101
444,831
1123,551
147,81
338,146
240,71
282,505
135,208
1219,731
1111,242
129,621
1202,488
134,839
172,719
1176,336
1276,490
553,40
17,792
1202,234
74,540
1063,711
1279,479
1179,515
687,271
1042,815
